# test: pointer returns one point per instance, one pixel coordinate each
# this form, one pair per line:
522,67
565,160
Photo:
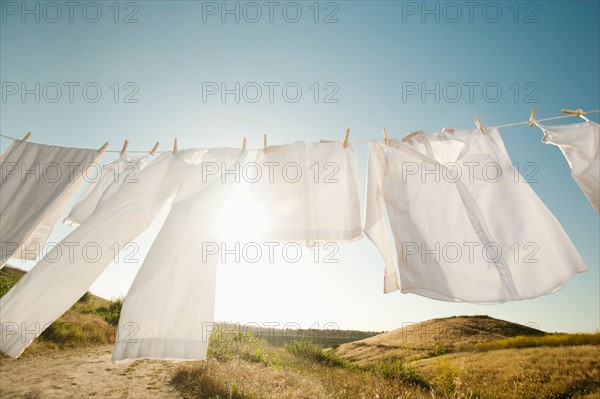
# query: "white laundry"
174,266
111,177
309,192
169,309
579,144
38,182
467,227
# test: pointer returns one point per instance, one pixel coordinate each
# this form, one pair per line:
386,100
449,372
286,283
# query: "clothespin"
125,144
103,147
174,146
154,148
577,112
385,137
346,139
531,117
244,145
27,136
265,142
480,125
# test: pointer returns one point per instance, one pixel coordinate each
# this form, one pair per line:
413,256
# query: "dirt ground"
84,373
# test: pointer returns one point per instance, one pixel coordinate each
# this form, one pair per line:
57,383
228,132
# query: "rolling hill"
432,338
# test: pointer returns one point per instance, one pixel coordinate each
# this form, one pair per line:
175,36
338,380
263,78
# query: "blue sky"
365,58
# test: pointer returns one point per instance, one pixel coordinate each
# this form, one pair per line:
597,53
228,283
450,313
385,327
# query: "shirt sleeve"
375,227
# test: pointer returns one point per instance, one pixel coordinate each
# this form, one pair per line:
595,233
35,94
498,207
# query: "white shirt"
467,227
579,144
111,177
309,192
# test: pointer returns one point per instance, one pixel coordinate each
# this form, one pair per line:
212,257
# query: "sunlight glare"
241,216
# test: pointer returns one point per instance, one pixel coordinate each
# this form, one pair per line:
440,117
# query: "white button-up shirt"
467,227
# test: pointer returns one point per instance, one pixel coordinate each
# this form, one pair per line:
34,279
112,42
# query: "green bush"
86,298
112,312
75,329
439,350
224,346
6,283
311,351
398,371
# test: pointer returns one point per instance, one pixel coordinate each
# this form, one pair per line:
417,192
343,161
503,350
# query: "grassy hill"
432,338
91,320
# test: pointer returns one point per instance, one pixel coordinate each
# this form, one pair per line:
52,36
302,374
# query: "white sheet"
38,182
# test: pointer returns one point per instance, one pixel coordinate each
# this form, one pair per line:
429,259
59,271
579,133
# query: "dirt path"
84,373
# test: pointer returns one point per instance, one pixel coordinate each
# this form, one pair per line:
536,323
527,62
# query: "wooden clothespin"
174,146
103,147
577,112
154,148
265,142
480,125
385,137
125,144
27,136
347,136
244,144
531,117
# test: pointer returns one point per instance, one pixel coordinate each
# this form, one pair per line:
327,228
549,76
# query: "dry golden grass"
432,338
242,379
240,366
531,373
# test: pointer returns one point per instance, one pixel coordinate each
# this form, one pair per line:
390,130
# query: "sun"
241,216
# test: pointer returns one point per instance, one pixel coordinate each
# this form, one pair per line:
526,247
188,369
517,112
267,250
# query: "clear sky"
400,65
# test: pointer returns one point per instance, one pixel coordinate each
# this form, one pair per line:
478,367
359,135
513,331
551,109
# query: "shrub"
75,329
6,283
398,371
311,351
112,312
86,298
439,350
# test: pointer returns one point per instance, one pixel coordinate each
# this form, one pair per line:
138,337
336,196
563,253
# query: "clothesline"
570,114
456,237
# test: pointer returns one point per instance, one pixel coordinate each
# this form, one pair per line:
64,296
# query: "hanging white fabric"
38,182
110,178
467,226
579,144
170,307
71,267
309,192
62,277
